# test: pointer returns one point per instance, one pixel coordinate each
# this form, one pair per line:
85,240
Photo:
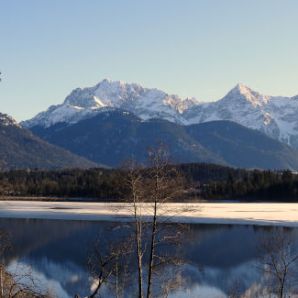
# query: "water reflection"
217,255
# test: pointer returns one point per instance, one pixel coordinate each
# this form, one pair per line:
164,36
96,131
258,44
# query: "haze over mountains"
115,121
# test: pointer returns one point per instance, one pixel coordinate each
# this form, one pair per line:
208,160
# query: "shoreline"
265,214
112,201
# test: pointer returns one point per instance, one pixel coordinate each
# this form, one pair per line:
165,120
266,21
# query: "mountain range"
115,121
275,116
112,137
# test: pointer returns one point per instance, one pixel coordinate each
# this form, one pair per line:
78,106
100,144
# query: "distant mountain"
274,115
20,149
243,147
112,137
106,95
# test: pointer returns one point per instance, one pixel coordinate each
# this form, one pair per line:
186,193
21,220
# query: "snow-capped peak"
143,102
241,88
274,115
242,92
79,98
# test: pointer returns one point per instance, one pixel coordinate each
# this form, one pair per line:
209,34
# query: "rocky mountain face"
108,95
20,149
113,137
273,115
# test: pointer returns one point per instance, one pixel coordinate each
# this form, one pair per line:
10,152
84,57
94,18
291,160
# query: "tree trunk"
152,250
140,257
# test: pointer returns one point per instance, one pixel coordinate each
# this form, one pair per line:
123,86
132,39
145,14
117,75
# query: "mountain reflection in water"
216,255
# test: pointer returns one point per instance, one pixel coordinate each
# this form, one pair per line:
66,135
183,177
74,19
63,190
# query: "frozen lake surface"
280,214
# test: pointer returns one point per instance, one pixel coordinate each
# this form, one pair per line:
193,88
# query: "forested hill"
112,137
204,181
20,149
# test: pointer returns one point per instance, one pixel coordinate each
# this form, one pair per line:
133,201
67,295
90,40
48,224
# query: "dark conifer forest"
204,182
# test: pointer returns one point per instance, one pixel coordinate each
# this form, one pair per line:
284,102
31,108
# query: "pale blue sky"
198,48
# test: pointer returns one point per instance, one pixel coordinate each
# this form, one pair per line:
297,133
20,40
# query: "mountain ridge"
113,137
272,115
146,103
20,149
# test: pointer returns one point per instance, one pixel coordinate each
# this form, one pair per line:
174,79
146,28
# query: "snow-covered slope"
143,102
275,116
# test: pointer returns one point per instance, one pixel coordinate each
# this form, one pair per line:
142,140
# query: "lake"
216,256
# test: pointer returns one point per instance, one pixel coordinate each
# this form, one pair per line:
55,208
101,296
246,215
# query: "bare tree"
151,190
236,289
136,185
4,246
170,285
279,261
107,265
165,185
153,237
20,283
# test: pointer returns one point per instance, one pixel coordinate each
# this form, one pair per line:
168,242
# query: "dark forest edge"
204,182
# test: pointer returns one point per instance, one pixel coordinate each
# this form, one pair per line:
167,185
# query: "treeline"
94,183
255,186
204,181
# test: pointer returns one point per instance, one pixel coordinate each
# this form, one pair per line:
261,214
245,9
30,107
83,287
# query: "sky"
199,48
